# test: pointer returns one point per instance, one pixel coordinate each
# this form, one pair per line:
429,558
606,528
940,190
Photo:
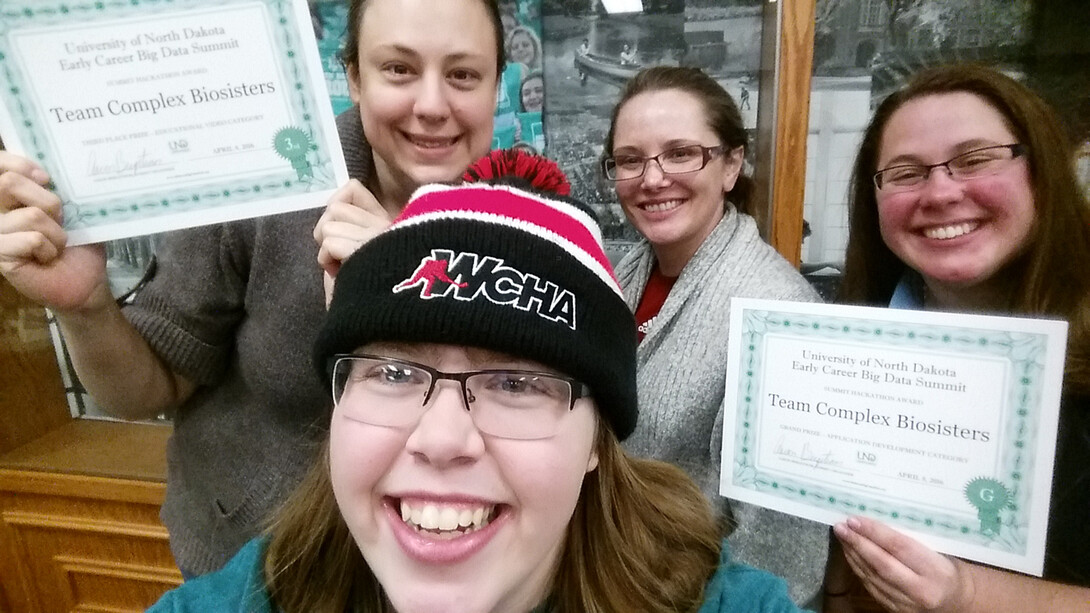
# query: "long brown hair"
720,111
642,538
1051,277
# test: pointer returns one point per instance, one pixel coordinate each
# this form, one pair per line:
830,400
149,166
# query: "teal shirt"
507,104
532,129
240,588
737,588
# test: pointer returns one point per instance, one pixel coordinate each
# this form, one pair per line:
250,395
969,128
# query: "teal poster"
329,18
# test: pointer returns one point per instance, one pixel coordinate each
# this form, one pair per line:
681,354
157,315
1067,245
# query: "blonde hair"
642,538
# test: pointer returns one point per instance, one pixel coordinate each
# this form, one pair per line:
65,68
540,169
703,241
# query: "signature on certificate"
805,454
121,164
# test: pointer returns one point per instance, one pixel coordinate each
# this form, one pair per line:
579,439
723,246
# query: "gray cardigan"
682,366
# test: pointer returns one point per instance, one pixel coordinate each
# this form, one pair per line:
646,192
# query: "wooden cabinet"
79,499
75,541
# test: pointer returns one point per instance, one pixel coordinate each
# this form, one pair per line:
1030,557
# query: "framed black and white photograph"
590,54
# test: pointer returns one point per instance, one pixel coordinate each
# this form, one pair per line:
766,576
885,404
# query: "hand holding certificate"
156,116
940,425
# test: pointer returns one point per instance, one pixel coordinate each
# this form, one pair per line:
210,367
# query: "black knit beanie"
498,267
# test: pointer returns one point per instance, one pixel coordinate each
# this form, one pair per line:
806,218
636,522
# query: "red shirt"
654,295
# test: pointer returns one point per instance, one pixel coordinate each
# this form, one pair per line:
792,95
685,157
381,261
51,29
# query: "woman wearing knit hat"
482,366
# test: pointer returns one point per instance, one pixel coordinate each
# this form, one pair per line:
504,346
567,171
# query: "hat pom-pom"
541,172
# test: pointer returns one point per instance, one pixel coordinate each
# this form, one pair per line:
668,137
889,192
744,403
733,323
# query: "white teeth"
951,231
429,517
445,522
659,207
432,143
448,519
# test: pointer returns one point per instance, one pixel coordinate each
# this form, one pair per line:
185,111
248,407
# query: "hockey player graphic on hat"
429,271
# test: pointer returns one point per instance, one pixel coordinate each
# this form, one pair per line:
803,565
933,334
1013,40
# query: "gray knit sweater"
235,308
682,364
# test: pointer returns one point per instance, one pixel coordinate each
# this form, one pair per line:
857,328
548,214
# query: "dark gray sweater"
235,308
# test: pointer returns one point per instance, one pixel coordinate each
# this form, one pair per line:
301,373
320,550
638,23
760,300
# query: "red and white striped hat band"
555,221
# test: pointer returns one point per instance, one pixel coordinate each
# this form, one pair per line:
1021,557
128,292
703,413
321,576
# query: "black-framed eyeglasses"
506,403
675,161
980,162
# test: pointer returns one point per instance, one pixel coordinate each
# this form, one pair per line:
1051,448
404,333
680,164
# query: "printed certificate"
152,115
940,425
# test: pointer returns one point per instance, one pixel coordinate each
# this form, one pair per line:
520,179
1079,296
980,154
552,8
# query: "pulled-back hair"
642,538
350,54
1051,277
720,111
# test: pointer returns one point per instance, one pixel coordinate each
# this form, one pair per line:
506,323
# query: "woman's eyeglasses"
969,165
676,161
515,404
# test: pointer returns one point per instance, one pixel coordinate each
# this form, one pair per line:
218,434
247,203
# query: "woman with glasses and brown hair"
483,371
964,198
675,152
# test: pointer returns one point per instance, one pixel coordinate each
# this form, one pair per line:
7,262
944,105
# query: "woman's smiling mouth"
950,231
444,532
430,142
446,521
660,207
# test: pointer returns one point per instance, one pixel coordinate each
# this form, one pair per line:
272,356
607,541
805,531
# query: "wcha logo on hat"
468,276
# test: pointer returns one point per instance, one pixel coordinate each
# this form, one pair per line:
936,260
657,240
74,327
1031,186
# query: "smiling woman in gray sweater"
675,151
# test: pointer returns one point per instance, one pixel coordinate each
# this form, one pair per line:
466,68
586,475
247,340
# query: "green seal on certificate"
989,497
293,144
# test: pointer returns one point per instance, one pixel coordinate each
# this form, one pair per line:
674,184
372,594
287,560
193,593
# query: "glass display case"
806,75
129,262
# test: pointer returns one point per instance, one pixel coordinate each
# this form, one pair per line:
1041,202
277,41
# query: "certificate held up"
150,121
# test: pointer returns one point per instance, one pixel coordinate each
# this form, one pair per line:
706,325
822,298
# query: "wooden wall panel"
796,57
77,543
94,584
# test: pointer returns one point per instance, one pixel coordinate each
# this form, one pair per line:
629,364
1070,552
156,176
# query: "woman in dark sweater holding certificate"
964,199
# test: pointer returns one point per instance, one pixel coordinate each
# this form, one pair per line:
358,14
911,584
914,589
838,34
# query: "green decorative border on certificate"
301,174
1000,499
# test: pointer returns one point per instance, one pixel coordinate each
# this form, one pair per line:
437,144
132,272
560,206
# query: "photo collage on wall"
521,102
